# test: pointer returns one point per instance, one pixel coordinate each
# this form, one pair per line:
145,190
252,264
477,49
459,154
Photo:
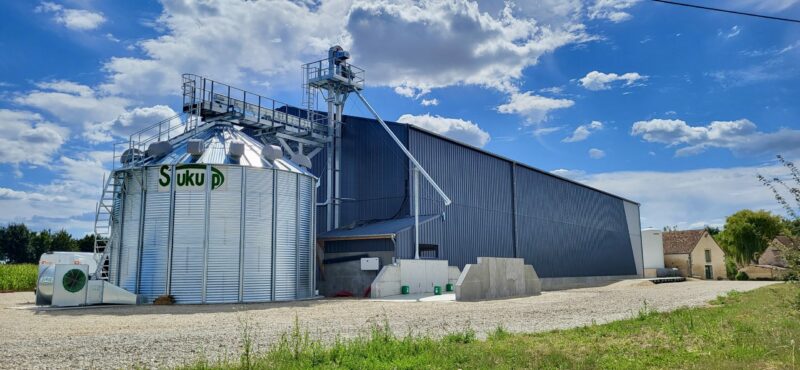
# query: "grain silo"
210,216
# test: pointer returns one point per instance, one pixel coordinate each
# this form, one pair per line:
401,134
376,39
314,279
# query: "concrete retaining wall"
497,278
420,276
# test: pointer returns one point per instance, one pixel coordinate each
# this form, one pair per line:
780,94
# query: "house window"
428,251
708,256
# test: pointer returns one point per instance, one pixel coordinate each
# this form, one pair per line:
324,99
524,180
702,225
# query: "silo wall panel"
257,264
479,222
188,245
567,230
127,263
224,231
286,236
305,236
155,235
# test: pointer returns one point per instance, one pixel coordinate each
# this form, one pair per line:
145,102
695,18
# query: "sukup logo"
189,177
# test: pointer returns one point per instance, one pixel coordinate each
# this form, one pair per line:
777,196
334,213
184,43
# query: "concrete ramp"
497,278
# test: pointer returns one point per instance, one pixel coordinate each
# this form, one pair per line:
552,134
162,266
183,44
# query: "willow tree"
748,233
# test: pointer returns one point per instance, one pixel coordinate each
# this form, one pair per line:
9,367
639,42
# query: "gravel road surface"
167,336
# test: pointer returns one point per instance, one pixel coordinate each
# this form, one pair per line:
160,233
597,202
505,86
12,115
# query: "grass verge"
754,330
18,277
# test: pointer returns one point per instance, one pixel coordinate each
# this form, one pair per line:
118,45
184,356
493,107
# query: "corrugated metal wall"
188,243
567,230
562,228
257,264
286,242
479,221
222,279
372,187
155,238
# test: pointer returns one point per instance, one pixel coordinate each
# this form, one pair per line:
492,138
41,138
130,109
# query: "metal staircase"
107,213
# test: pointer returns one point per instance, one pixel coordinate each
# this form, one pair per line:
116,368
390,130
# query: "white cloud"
68,201
613,10
98,116
595,153
129,122
733,32
73,104
25,137
433,44
688,198
454,128
596,80
583,132
542,131
740,136
534,107
429,102
74,19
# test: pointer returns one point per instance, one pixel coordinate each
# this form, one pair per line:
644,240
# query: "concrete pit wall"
420,275
497,278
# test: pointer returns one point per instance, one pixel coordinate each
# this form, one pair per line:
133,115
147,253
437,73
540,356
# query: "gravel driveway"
161,336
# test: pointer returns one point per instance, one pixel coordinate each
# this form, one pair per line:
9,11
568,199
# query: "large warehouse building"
572,234
218,203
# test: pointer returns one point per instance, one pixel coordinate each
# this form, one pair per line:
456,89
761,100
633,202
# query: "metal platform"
662,280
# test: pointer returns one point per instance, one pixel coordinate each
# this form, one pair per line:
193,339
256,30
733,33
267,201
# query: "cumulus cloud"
454,128
25,137
595,153
534,107
596,80
583,132
687,198
74,19
98,116
613,10
67,201
131,121
741,137
433,43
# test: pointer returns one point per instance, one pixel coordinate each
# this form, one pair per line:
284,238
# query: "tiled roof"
785,240
681,242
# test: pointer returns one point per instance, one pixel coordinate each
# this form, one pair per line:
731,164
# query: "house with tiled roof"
771,264
773,255
694,253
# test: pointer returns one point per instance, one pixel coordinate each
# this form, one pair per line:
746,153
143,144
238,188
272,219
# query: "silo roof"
217,139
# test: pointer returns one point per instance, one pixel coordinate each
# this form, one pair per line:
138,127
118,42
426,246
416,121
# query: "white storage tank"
652,251
212,221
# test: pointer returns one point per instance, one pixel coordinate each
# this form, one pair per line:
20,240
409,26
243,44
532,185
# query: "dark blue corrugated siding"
479,221
372,177
563,229
351,246
569,230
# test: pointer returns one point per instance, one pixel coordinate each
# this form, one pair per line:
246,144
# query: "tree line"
20,244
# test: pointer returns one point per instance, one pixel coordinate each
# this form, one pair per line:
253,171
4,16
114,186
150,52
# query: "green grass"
18,278
754,330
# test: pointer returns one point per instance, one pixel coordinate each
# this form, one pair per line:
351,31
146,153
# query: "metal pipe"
416,213
408,154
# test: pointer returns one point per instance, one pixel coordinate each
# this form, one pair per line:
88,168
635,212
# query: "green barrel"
437,290
404,289
448,287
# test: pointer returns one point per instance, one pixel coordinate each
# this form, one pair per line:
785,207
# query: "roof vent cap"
272,152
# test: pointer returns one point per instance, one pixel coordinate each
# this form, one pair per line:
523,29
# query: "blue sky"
676,108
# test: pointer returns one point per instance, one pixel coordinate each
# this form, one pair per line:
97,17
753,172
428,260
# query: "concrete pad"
417,297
